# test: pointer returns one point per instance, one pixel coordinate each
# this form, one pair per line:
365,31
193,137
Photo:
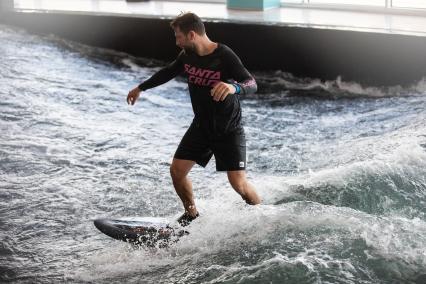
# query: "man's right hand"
133,96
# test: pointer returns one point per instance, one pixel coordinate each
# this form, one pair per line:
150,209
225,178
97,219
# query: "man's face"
183,40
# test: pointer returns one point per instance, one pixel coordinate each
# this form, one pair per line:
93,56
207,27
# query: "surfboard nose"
99,224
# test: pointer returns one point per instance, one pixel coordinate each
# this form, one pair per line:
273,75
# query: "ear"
191,35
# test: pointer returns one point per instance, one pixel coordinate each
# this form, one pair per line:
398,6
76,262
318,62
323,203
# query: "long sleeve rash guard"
202,74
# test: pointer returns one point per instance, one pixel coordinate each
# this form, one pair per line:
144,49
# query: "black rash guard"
202,74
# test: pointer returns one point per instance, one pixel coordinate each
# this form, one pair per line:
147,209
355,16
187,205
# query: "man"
215,78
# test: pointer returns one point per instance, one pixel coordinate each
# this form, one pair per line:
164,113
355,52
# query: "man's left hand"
221,90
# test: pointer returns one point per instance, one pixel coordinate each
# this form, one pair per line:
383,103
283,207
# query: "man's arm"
162,76
245,83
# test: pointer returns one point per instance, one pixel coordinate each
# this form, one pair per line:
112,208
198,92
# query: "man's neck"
205,47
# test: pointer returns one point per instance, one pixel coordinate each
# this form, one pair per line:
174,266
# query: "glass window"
409,4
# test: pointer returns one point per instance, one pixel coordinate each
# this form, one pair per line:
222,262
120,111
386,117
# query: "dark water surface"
341,169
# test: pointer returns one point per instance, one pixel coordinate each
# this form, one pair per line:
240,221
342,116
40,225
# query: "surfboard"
148,231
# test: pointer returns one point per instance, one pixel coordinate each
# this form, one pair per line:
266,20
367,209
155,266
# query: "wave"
269,243
284,83
388,178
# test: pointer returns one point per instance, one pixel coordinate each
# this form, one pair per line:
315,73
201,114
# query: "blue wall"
252,4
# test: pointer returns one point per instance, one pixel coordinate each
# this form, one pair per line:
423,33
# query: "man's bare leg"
179,171
238,181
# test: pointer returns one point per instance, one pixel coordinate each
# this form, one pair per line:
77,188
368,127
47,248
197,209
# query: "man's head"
188,27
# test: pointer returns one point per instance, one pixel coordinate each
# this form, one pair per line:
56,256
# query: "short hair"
187,22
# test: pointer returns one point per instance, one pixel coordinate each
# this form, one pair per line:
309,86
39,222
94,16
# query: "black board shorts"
228,149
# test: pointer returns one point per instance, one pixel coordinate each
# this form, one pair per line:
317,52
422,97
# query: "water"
340,168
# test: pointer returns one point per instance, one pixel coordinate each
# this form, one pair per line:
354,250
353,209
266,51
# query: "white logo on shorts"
241,164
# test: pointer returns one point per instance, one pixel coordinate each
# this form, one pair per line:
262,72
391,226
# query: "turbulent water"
341,169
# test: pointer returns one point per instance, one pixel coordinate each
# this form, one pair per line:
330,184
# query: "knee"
176,173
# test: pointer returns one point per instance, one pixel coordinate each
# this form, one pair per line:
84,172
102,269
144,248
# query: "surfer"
215,77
